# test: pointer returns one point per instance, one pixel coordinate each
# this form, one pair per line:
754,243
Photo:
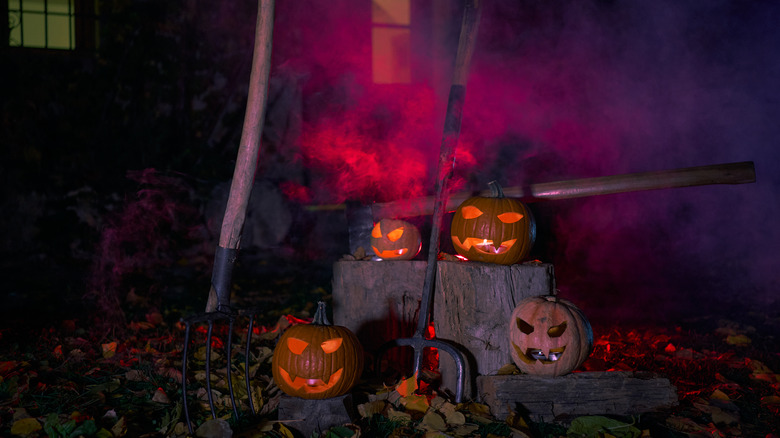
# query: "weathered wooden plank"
587,393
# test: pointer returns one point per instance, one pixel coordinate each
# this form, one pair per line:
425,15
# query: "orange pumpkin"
493,229
317,360
395,239
549,336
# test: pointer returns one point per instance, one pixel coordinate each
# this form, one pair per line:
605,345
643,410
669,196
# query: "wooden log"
378,301
564,397
472,303
472,307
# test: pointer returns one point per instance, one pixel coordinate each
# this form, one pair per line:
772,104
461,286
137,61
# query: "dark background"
113,159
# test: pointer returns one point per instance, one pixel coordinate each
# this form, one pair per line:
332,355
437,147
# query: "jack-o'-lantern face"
549,336
393,239
317,361
493,229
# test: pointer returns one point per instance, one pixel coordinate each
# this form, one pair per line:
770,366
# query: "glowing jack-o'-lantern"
493,229
317,360
549,336
394,239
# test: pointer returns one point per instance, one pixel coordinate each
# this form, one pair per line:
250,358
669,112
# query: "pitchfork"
218,306
452,120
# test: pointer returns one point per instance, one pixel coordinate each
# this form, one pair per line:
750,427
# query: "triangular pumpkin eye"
524,326
395,234
470,212
296,345
510,217
331,345
376,233
557,331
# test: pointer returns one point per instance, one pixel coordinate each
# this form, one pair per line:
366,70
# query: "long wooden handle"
729,173
246,162
446,167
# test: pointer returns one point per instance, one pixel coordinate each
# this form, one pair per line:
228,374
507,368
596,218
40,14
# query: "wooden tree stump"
316,416
472,303
472,307
565,397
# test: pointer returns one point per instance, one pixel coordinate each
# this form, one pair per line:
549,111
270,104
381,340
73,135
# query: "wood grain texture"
588,393
472,303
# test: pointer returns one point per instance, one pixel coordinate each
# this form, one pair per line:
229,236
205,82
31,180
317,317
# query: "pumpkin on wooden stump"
395,239
549,336
493,229
317,360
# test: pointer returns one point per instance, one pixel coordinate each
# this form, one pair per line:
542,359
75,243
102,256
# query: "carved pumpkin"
394,239
493,229
317,360
549,336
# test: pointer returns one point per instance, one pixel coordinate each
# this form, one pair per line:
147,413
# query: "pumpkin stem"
495,190
320,318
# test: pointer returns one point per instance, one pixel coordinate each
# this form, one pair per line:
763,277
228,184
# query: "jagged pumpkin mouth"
310,386
483,246
390,253
532,355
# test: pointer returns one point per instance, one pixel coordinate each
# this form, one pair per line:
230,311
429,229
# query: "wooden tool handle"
246,163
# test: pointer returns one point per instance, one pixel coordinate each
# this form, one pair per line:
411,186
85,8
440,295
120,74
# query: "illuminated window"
391,41
51,24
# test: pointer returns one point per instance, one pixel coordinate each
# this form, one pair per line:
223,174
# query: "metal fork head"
226,317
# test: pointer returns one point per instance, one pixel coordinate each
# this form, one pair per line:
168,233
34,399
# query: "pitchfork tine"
229,349
246,363
187,326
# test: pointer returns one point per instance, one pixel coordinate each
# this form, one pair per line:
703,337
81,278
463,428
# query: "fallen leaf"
120,427
414,402
109,350
367,410
479,409
508,369
26,426
432,421
401,417
739,340
719,395
160,396
135,376
407,386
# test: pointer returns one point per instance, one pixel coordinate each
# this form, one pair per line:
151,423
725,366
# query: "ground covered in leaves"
62,377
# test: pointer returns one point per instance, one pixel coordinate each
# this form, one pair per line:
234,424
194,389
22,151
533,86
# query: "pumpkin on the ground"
395,239
317,360
549,336
493,229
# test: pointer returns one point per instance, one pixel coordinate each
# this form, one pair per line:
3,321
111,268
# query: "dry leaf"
160,396
135,376
119,428
109,350
508,369
408,386
452,415
719,395
26,426
401,417
367,410
432,421
414,402
737,340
